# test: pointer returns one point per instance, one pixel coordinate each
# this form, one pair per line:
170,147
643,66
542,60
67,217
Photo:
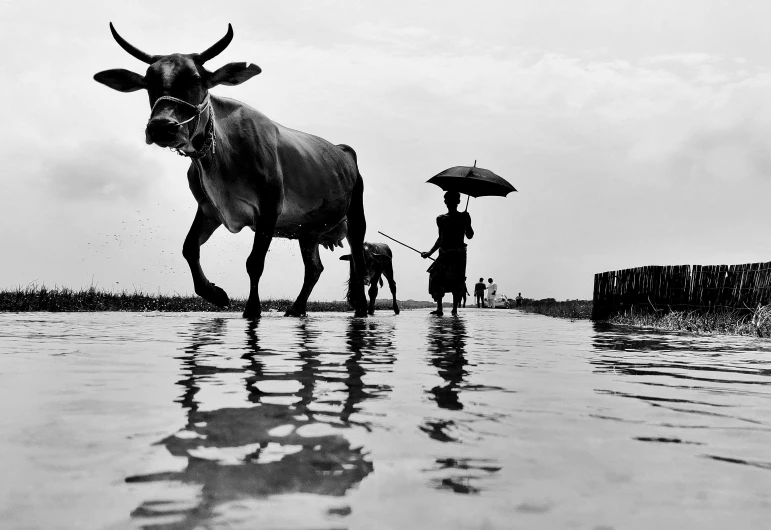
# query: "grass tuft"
755,322
570,309
41,298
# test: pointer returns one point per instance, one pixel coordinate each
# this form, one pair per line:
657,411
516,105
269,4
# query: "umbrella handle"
467,199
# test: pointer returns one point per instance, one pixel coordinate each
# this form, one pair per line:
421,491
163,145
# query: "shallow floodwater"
496,419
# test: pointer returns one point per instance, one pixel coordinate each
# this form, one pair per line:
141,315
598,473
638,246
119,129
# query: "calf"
378,263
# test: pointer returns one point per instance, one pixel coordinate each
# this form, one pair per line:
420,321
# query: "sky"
636,133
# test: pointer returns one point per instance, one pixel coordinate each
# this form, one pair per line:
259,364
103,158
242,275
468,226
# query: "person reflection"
447,350
280,443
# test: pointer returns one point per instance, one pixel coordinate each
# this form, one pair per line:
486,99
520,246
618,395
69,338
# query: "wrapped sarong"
448,273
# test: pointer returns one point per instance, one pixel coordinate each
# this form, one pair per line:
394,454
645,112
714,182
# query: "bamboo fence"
681,287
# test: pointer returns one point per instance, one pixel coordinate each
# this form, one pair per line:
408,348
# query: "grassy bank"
571,309
36,298
721,322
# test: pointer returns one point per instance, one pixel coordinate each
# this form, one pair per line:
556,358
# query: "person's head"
490,280
481,280
520,294
452,200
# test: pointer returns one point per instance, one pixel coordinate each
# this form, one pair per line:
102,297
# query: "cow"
248,171
379,263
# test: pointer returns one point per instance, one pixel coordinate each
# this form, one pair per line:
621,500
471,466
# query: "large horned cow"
247,170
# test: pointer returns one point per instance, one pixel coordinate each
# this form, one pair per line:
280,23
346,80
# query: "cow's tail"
357,229
347,149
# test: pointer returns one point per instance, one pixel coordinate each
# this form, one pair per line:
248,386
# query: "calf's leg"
373,293
388,272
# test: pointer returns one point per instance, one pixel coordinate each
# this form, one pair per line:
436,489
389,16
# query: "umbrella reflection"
288,439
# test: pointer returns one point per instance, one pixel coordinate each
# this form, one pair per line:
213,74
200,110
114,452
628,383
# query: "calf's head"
369,261
178,87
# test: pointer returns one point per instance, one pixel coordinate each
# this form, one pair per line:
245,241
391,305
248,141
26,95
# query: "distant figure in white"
492,290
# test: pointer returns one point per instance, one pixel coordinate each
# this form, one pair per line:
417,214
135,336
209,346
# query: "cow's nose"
162,127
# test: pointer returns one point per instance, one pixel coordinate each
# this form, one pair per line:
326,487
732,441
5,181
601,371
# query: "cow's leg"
313,268
203,227
388,272
357,227
255,263
373,293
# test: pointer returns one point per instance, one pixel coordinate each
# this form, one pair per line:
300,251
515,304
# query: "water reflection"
697,392
447,339
288,434
447,351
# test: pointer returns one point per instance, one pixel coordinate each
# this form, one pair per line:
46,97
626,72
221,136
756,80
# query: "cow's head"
178,86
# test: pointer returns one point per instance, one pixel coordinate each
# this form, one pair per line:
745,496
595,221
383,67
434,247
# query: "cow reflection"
273,447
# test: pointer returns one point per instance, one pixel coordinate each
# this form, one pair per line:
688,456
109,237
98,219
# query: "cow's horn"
215,50
139,54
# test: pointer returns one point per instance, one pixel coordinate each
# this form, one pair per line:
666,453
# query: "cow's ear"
347,257
233,74
121,80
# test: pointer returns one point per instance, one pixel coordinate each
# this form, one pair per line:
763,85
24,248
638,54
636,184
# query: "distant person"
492,290
465,292
479,292
448,273
519,300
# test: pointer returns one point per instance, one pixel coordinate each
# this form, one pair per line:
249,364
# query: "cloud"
102,171
401,36
689,59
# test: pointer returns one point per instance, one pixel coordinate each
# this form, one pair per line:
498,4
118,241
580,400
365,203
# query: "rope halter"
198,110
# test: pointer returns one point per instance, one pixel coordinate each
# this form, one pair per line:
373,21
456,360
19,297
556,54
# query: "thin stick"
467,199
409,247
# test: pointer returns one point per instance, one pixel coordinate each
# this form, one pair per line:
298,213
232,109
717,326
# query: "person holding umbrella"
448,273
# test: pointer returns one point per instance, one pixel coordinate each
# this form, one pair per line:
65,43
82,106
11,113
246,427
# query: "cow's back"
318,179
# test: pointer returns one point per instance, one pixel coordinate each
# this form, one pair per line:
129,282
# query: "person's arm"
469,230
433,249
424,255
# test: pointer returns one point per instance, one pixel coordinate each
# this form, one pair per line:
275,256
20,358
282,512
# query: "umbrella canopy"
473,181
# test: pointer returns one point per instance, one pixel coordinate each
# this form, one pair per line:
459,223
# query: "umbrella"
472,181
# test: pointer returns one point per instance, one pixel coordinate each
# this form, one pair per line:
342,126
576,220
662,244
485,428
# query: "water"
493,420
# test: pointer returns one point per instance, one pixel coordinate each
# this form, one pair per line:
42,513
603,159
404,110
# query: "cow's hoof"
294,312
371,311
216,296
360,313
396,310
